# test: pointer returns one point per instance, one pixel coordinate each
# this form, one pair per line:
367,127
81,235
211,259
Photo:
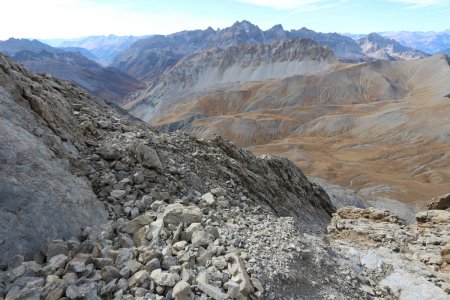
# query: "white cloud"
75,18
284,4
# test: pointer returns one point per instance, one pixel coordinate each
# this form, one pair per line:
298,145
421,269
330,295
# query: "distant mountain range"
379,47
428,42
148,58
104,48
107,83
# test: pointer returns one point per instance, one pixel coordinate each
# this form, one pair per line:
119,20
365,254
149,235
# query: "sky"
50,19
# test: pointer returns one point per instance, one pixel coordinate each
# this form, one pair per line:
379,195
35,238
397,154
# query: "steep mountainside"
105,48
380,128
378,47
97,205
106,83
174,204
217,68
148,58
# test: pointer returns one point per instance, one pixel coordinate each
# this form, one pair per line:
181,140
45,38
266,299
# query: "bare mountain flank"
379,127
218,68
107,83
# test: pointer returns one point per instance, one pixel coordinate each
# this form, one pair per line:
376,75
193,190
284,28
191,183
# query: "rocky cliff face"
215,68
42,196
150,57
378,47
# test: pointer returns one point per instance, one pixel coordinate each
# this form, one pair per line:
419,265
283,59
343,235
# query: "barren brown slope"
381,128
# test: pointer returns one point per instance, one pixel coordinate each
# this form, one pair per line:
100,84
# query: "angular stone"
138,177
26,293
155,229
100,262
55,263
179,245
164,278
85,291
219,262
108,153
16,273
147,156
176,213
133,265
109,273
78,263
124,255
212,291
187,234
201,238
169,262
118,194
219,192
238,273
137,223
55,290
257,284
109,288
138,278
140,236
152,265
233,289
182,291
209,198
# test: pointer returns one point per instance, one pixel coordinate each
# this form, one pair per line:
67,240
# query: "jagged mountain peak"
145,59
380,47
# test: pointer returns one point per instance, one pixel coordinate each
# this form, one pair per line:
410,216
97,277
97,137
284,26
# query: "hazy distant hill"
379,47
107,83
148,58
105,48
429,42
12,46
85,52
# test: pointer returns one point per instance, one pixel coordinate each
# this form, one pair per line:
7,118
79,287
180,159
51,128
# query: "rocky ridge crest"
215,68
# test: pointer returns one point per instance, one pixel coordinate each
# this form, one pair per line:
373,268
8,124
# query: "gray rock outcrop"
41,196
